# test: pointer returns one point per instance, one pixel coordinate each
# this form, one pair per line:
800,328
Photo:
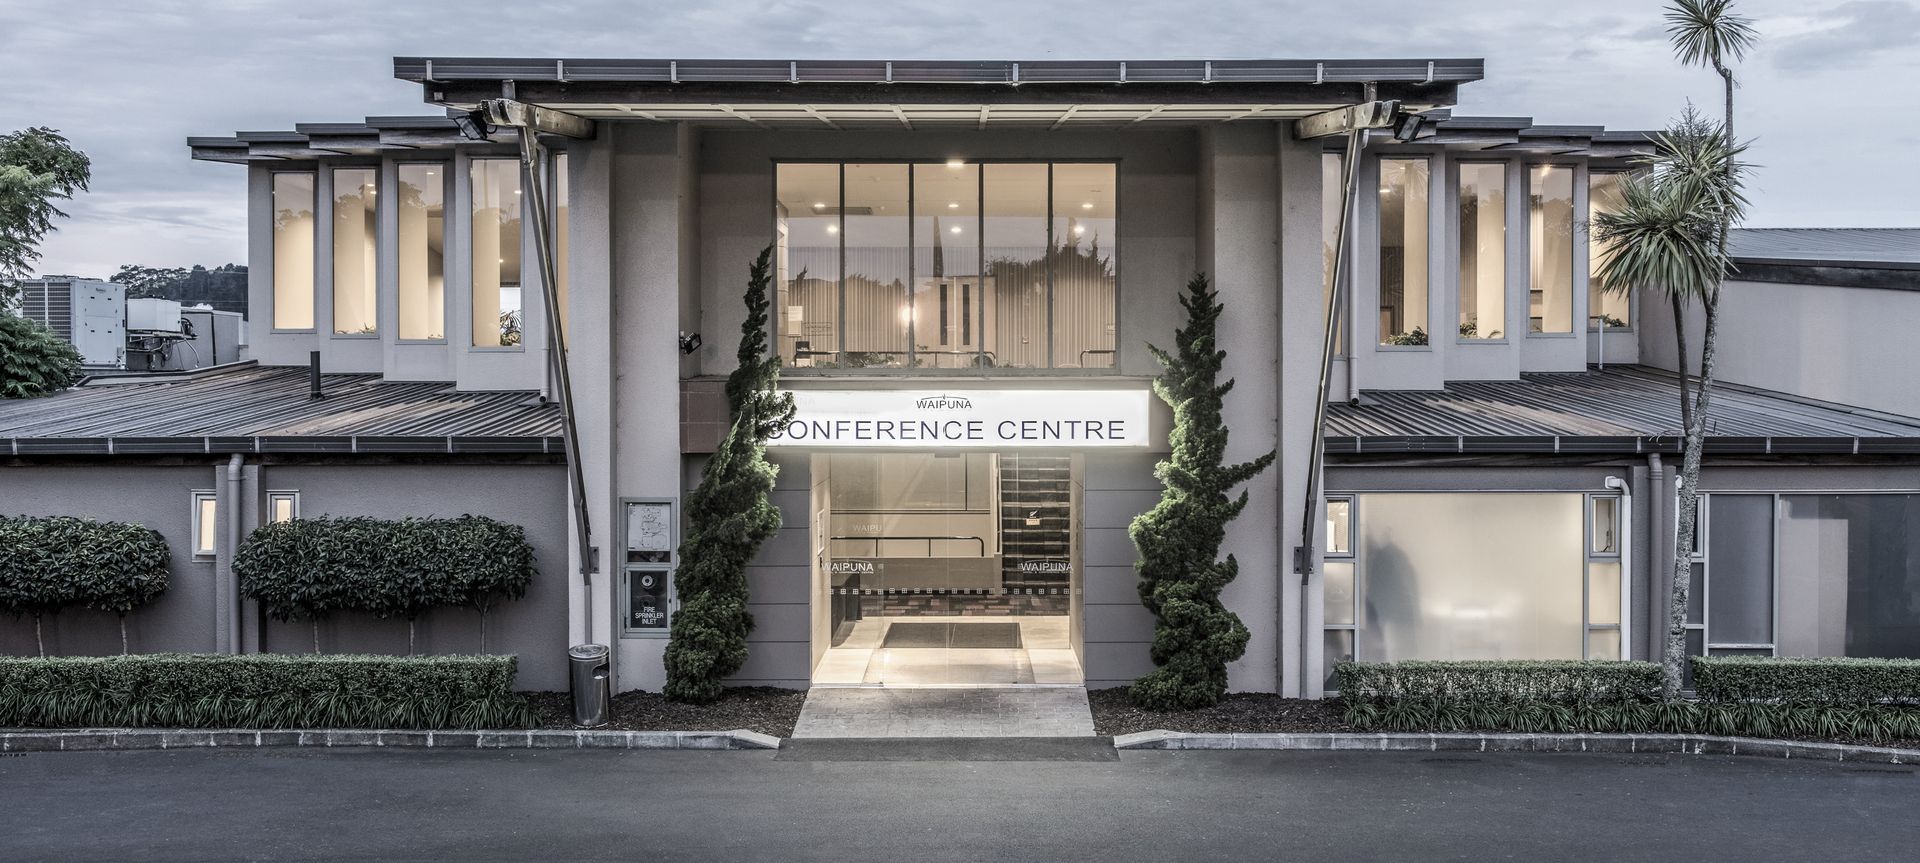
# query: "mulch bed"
766,709
1239,712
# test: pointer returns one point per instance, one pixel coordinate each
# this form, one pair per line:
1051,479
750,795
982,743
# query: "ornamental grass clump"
1181,573
729,515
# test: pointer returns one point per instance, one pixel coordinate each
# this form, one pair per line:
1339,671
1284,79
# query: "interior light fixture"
833,229
953,205
954,230
1087,206
1079,230
819,205
956,163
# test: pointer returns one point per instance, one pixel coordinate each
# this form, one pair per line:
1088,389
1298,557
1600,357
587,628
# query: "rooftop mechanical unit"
89,313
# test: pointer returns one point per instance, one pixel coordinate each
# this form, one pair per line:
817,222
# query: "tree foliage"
49,563
729,514
1179,540
34,361
38,168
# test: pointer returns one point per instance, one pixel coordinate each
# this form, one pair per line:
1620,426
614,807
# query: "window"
1605,630
1605,309
495,188
283,506
562,209
1403,251
356,245
946,265
206,522
1337,593
293,251
1483,250
1332,181
1550,249
422,251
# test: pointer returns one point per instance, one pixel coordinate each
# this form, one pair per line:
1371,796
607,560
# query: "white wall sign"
934,419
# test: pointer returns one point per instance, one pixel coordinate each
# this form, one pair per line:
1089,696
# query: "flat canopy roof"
1622,409
1877,248
909,93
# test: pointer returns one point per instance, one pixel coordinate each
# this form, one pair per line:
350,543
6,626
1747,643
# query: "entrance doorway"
946,568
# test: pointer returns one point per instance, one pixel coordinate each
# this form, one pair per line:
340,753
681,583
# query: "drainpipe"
1660,579
1625,520
226,604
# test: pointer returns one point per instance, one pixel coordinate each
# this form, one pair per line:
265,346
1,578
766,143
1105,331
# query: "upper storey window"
1605,309
293,251
1403,252
497,318
946,265
1550,249
1483,250
356,250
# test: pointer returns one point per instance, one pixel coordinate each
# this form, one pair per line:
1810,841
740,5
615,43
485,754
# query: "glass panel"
1471,576
497,318
1015,231
1550,249
206,521
562,212
1333,179
1697,593
1403,251
282,508
1849,575
1338,648
1604,308
877,251
1085,200
947,300
1696,646
1603,593
293,251
1483,251
1603,644
807,218
1740,569
356,257
1337,593
1340,526
422,248
1606,525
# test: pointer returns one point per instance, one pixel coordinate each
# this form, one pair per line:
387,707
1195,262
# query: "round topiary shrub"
48,563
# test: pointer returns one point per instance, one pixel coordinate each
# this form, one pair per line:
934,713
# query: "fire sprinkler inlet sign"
913,419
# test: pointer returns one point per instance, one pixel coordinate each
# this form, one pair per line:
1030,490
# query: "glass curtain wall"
293,202
422,250
1483,250
1332,180
946,265
1605,309
1550,249
495,225
356,255
1403,251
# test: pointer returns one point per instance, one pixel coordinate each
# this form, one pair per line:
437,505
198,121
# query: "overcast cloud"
129,81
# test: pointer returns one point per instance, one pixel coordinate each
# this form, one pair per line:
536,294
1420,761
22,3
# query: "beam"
1340,121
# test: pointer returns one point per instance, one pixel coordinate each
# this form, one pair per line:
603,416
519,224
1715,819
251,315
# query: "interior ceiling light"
956,163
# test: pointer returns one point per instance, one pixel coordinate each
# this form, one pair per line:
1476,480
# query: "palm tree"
1670,236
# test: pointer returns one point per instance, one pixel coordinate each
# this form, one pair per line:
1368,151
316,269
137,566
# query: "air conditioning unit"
89,313
152,315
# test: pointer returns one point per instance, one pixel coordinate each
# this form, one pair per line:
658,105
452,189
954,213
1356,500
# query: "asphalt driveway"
915,802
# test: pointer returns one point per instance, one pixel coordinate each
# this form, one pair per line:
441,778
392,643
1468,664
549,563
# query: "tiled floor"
1044,657
1005,711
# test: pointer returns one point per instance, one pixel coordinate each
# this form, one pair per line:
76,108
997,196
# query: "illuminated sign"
915,419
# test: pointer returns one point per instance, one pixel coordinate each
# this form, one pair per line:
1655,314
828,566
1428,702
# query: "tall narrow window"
1483,250
206,522
1085,246
283,506
1605,309
1550,249
807,222
495,190
1333,180
1016,250
293,251
422,250
356,250
1403,251
876,247
562,195
946,264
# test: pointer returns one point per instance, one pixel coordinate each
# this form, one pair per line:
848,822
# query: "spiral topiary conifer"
1181,575
729,515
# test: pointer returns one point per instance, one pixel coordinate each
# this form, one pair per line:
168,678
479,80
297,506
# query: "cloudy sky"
129,81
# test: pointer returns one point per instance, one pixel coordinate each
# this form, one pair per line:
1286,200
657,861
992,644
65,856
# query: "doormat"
933,635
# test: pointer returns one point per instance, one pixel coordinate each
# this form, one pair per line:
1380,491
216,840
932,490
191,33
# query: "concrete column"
1302,330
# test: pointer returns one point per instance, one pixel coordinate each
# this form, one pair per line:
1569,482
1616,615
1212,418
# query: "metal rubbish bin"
591,683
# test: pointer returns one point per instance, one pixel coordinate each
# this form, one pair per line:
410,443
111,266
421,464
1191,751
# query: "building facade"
969,264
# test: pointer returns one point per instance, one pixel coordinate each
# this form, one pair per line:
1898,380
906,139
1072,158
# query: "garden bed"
766,709
1240,712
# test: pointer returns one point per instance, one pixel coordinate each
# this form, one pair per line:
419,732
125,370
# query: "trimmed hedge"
1560,682
262,691
48,563
1826,681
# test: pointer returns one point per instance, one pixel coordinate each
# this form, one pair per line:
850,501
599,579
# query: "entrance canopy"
911,94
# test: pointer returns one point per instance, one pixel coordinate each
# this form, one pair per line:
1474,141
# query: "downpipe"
229,594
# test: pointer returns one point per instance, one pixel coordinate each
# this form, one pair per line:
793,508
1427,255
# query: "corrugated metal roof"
249,408
1620,409
1879,248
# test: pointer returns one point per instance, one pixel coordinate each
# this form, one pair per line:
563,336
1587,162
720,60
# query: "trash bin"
588,664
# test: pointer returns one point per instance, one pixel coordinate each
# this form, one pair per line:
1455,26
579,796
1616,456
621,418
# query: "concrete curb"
127,739
1676,744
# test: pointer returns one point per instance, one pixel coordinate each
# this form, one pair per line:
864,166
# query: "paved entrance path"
1008,711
